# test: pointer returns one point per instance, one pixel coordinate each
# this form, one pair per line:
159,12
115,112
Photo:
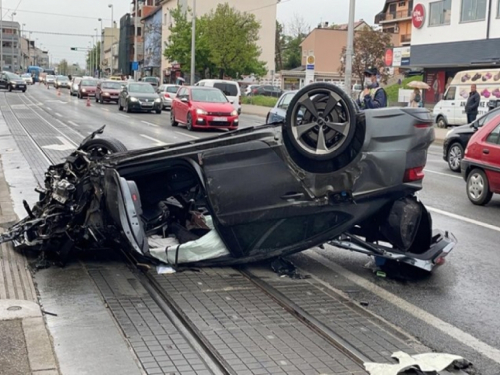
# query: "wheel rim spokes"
476,187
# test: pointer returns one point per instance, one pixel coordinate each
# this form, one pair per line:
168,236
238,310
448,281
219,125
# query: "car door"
490,156
266,208
3,81
181,108
278,113
449,104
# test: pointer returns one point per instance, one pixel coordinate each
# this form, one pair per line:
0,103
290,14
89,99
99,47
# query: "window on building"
498,9
402,3
440,13
473,10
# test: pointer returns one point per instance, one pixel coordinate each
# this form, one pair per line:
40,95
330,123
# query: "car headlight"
13,85
132,99
105,93
158,100
234,113
83,90
201,112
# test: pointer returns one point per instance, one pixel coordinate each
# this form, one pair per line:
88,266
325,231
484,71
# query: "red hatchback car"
481,164
203,108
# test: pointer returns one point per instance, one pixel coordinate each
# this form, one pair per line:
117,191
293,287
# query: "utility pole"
1,36
96,66
193,44
135,38
101,50
350,47
112,38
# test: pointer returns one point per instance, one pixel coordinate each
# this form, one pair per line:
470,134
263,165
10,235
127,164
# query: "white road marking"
121,114
150,124
50,109
442,173
447,328
464,219
105,109
73,123
187,135
58,114
153,139
61,147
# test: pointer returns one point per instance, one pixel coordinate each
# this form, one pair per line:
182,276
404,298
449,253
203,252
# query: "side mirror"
184,99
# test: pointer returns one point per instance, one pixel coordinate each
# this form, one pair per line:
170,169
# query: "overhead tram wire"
57,33
52,14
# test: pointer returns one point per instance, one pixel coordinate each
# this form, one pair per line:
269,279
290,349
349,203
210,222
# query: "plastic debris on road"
429,363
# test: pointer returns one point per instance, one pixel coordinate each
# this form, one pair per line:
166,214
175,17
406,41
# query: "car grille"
219,113
220,123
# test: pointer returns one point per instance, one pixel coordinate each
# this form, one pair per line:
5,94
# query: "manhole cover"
14,308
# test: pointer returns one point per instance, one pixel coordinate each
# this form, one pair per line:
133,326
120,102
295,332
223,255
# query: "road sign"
135,66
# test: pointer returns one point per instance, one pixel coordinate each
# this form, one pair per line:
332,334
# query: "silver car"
167,94
50,79
73,89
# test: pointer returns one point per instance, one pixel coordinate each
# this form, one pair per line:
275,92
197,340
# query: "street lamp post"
135,38
1,36
95,52
101,49
350,47
12,16
112,37
193,43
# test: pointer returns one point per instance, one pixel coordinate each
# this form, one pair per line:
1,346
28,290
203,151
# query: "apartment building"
11,46
396,18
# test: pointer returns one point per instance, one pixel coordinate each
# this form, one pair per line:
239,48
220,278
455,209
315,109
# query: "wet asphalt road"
464,293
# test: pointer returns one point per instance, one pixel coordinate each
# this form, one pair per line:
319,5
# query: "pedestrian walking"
415,99
373,96
472,105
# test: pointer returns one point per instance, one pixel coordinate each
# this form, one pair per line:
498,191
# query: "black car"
413,73
333,174
268,90
11,81
139,96
456,139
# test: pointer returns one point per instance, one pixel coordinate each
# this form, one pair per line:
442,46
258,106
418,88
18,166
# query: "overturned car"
329,174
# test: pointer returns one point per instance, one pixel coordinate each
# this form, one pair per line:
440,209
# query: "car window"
12,75
89,82
229,89
487,117
111,85
285,101
450,94
493,137
172,89
208,95
200,84
182,92
141,88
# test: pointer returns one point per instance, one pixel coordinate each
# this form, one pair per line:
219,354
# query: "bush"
265,101
393,90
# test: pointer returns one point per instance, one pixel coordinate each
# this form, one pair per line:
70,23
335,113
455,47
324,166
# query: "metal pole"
112,39
101,50
135,37
96,67
1,36
193,43
350,47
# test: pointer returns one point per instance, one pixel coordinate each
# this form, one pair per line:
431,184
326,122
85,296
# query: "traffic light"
74,49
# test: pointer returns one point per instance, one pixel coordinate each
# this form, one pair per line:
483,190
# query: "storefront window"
440,13
473,10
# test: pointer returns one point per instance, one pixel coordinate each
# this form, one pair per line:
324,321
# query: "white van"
451,109
230,88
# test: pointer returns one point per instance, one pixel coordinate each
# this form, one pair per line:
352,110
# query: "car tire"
100,147
10,88
189,122
478,187
172,118
334,144
454,156
127,108
158,111
441,122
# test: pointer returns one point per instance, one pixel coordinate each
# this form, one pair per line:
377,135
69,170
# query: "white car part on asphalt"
209,246
428,363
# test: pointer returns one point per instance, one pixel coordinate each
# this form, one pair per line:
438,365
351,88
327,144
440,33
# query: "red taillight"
421,125
166,95
414,174
134,197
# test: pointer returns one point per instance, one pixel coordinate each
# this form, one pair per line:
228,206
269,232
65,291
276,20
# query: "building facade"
450,36
110,36
264,11
153,51
396,18
125,45
11,46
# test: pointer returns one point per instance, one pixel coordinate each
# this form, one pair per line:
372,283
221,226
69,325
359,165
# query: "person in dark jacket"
472,105
373,96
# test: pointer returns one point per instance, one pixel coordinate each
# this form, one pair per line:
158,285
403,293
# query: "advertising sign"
389,55
418,16
401,56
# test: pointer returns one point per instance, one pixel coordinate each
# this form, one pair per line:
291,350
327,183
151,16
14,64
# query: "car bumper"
167,102
88,93
19,87
216,122
110,98
138,106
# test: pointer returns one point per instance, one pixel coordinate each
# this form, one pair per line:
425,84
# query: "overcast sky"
80,17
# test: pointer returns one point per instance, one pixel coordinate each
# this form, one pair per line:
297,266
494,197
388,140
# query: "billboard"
401,56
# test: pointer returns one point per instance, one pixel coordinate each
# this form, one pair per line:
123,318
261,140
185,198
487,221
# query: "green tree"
280,44
178,45
63,67
369,51
232,38
297,31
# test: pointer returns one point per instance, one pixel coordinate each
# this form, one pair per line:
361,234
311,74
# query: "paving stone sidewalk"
25,345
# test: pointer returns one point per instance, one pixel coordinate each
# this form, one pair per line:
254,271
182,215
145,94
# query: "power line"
62,34
277,2
57,14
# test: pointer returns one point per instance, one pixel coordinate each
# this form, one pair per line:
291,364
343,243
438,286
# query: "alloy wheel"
320,122
476,186
455,157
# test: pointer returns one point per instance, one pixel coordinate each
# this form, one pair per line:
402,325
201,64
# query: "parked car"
27,78
456,139
413,73
86,88
249,89
115,78
108,91
62,81
167,94
278,113
12,82
257,193
229,88
50,79
139,96
481,163
153,81
203,108
75,84
268,90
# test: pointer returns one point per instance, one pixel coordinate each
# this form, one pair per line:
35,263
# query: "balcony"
393,16
406,39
